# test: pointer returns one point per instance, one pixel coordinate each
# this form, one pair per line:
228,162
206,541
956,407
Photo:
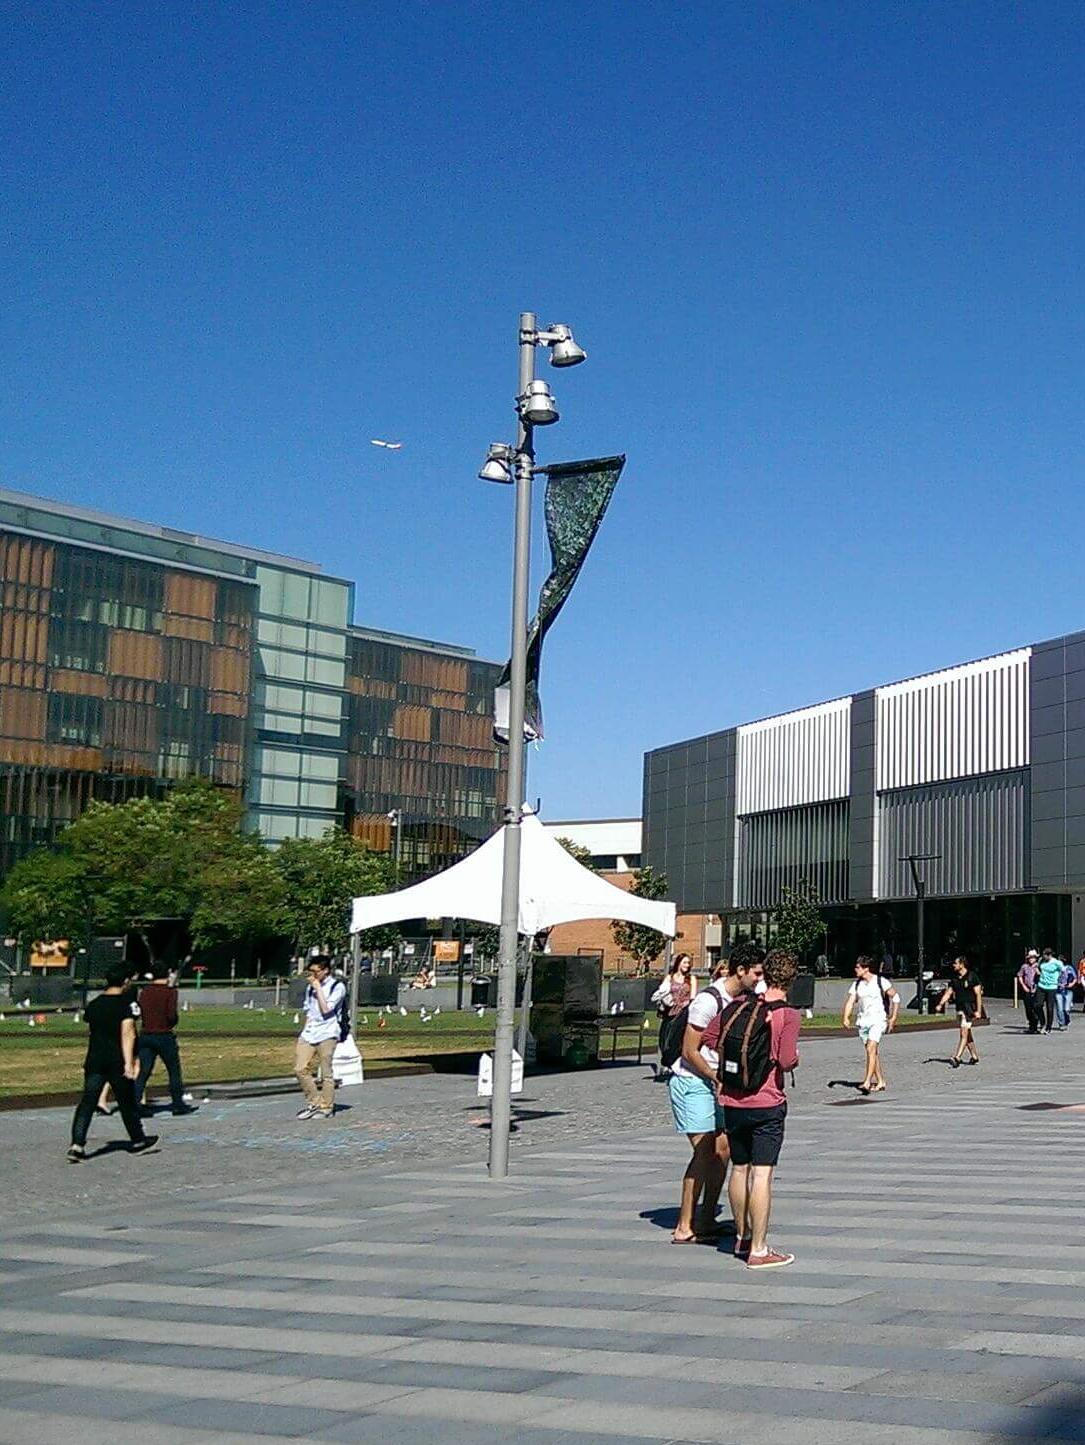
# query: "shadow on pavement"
519,1116
1063,1418
115,1146
1047,1107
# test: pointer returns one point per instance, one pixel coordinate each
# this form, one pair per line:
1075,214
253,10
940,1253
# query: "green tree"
44,898
181,856
639,942
243,896
487,940
797,919
320,877
578,851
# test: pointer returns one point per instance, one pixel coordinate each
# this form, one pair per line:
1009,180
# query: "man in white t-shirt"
692,1087
324,1000
878,1005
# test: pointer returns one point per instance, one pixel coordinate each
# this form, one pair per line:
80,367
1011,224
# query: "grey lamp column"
524,461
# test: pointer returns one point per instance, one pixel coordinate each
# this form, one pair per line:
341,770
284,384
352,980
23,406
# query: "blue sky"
826,259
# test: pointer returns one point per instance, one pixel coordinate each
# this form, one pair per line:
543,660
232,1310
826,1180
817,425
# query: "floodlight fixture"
537,405
563,349
497,466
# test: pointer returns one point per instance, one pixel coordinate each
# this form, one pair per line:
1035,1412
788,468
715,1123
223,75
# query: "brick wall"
594,935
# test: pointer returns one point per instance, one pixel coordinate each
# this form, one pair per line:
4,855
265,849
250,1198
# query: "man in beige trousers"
324,1000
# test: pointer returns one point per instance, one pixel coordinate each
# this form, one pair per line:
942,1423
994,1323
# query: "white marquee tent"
554,888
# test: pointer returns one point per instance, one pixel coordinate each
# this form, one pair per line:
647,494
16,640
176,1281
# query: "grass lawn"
223,1044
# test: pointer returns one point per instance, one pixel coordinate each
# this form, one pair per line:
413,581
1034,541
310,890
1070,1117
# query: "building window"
75,719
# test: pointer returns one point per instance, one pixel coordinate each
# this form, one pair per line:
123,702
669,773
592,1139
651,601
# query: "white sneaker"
309,1112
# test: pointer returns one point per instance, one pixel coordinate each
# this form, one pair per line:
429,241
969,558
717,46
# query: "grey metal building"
982,765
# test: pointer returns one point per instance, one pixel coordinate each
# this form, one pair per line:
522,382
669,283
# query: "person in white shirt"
879,1004
324,1000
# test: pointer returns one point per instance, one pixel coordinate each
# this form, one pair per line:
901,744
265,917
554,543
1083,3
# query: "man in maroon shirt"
157,1040
755,1124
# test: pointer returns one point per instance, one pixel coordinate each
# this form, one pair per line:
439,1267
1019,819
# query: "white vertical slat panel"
954,724
798,757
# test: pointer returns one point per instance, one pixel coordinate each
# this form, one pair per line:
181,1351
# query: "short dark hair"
318,960
864,961
781,966
116,974
745,955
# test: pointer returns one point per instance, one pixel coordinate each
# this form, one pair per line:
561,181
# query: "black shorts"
755,1136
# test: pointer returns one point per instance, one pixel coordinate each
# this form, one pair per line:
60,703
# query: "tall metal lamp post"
535,406
913,860
395,818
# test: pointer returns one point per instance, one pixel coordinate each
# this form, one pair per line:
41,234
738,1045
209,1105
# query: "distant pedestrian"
878,1005
965,990
672,998
1028,976
1064,999
1047,986
111,1059
157,1039
693,1091
755,1110
325,998
1079,985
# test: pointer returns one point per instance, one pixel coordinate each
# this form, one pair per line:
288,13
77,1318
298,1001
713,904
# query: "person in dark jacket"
157,1039
111,1059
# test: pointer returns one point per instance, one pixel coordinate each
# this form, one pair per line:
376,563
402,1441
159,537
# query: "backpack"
344,1016
883,987
745,1046
674,1032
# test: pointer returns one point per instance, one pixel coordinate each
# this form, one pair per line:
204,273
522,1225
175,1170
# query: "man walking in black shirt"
111,1059
965,990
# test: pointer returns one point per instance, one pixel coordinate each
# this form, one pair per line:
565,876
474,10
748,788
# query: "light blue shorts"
693,1103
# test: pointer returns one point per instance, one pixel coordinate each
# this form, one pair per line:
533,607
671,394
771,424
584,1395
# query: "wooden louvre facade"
117,676
420,744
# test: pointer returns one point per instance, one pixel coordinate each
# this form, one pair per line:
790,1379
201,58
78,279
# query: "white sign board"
486,1075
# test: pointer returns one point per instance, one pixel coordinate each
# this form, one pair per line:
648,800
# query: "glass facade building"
133,655
420,745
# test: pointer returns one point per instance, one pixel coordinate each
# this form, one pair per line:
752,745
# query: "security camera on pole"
535,407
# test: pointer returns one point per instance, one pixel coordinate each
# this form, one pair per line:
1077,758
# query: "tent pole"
355,970
525,1007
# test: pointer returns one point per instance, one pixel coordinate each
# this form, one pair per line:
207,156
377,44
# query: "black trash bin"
480,992
932,993
801,992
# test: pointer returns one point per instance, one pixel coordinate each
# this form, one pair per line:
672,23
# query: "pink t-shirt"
784,1024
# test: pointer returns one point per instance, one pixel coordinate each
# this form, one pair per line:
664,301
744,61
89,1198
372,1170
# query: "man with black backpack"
325,1007
879,1004
758,1044
692,1087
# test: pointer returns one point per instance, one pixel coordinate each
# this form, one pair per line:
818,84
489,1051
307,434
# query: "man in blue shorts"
692,1088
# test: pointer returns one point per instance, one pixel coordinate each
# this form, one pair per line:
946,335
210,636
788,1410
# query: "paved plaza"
363,1281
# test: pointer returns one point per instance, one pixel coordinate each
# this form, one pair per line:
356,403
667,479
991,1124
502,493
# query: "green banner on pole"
577,497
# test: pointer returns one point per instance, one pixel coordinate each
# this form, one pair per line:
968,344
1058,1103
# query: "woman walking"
673,997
